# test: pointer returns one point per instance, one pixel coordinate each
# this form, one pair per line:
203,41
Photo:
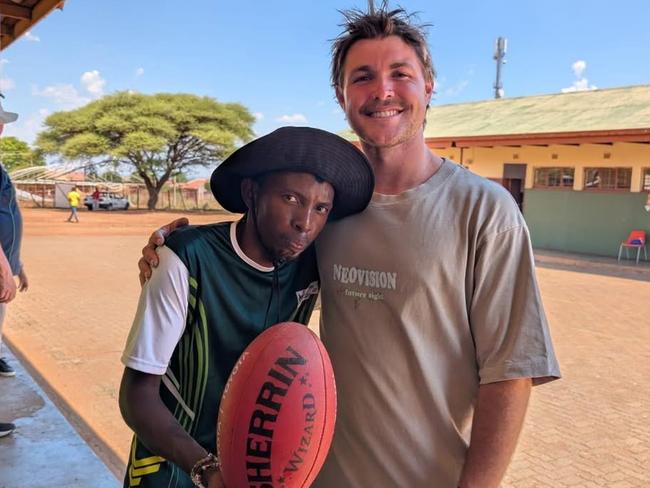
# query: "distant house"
195,184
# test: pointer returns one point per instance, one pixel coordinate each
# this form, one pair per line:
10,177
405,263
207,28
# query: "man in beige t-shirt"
427,296
430,307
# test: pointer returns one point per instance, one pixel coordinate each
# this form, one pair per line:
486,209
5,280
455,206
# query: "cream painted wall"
488,162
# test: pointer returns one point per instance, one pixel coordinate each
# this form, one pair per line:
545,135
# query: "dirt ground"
590,429
72,323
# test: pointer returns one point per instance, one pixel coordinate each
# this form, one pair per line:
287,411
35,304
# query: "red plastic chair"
637,240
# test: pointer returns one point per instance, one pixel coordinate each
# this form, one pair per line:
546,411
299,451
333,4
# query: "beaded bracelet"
207,463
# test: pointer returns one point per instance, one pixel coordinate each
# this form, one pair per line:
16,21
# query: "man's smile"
382,110
384,113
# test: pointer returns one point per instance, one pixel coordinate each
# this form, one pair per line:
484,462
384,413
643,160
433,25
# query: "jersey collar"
240,253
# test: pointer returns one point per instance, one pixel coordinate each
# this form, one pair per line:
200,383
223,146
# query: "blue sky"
273,56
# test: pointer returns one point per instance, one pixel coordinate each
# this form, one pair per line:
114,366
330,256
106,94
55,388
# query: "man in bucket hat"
218,286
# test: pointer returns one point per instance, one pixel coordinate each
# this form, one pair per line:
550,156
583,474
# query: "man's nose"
384,88
303,220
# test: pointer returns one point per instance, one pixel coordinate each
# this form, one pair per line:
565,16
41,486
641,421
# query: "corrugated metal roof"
608,109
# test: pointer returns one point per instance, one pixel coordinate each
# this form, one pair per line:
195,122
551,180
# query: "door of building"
514,179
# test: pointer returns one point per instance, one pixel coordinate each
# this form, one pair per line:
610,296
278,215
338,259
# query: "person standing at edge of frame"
11,225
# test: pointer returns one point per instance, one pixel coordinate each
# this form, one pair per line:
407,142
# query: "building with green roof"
573,115
577,163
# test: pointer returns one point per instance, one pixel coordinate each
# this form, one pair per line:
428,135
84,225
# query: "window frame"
616,170
644,172
551,187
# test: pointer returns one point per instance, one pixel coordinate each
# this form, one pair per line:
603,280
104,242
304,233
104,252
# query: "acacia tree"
157,136
16,154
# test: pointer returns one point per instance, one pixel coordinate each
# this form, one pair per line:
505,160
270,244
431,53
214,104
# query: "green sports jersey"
230,302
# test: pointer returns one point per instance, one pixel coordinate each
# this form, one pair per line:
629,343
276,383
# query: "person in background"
95,197
74,197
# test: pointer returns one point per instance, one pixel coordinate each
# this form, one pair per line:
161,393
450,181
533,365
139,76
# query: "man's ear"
249,189
340,97
428,89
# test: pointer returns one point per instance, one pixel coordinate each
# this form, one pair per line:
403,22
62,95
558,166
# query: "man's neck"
401,167
250,244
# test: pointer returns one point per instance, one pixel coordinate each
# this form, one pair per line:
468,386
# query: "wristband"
207,463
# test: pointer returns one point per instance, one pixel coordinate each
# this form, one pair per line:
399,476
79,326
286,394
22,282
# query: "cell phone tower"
500,48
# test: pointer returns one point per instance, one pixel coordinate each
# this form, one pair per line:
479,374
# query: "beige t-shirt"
425,295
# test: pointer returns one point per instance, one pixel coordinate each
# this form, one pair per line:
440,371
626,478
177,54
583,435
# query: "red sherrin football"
278,410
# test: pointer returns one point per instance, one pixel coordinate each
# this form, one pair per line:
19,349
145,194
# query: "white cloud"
139,72
28,128
7,84
64,94
447,88
69,96
579,68
292,119
31,37
93,82
581,83
457,88
258,116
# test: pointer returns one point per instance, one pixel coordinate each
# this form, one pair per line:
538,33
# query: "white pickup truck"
108,201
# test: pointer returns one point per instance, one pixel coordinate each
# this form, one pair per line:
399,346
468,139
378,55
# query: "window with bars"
612,179
553,178
645,182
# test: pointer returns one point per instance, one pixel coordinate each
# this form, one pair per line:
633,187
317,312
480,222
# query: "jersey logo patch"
302,295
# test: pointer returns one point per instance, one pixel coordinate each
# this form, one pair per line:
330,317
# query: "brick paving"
590,429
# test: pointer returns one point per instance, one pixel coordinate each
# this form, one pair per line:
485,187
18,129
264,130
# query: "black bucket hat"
302,150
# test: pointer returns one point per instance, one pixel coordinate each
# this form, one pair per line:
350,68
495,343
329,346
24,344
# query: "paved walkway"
44,451
605,266
590,429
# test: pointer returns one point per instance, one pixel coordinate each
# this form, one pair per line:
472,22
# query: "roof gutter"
641,136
